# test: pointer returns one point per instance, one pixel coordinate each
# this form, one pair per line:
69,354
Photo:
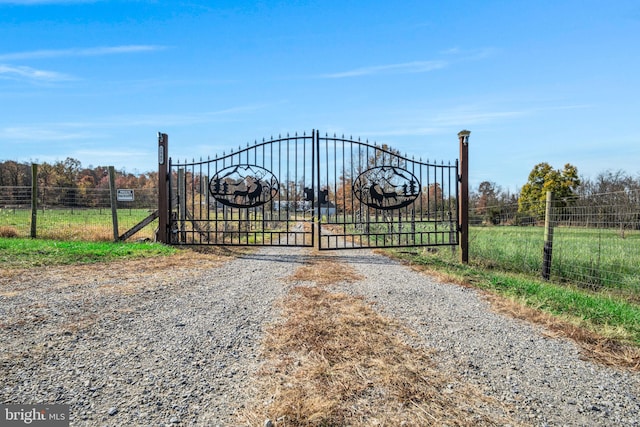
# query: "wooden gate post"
114,202
163,193
34,200
463,201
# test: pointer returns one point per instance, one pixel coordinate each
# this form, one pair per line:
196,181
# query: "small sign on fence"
125,195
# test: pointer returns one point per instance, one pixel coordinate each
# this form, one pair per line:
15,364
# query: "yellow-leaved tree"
563,183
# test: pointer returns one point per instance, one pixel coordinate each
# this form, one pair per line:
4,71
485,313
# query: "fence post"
548,237
34,200
114,202
463,201
182,204
163,194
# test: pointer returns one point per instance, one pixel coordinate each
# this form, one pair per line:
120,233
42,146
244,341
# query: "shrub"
6,231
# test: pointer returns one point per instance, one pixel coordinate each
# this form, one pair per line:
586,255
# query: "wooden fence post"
463,201
114,202
548,237
34,200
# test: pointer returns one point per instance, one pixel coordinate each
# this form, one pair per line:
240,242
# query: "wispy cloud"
101,128
92,51
41,134
470,54
34,2
21,73
403,68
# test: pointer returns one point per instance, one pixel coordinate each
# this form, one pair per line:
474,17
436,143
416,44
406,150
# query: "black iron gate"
306,190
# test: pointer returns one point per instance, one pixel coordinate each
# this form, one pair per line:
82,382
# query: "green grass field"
75,224
28,253
593,258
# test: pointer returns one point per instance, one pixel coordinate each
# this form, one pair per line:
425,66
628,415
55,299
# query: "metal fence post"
114,202
464,196
34,200
548,237
163,193
182,204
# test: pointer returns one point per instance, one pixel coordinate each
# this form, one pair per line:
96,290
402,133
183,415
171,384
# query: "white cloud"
92,51
15,134
34,2
102,128
403,68
21,72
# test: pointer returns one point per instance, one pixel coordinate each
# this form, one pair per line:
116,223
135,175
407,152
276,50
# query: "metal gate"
310,190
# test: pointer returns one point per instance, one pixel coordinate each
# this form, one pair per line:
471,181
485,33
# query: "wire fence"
596,240
74,213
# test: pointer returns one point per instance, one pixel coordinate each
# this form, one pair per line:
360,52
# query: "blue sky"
555,81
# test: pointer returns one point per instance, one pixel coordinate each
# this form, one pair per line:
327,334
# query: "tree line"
74,185
614,195
610,199
69,173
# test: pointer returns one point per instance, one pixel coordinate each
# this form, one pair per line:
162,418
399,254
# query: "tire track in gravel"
511,360
183,351
179,353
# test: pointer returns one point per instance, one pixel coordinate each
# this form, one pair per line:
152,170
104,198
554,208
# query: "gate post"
163,194
34,200
463,202
114,202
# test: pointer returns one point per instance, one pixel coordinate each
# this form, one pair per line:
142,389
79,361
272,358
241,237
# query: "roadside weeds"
594,347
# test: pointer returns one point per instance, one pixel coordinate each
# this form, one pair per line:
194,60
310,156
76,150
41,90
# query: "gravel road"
181,351
508,359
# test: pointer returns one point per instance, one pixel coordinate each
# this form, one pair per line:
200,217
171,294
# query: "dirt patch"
126,276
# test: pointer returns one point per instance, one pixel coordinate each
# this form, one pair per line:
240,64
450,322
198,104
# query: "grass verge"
607,327
333,360
29,253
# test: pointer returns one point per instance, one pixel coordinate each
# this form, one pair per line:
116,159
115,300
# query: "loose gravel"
182,352
510,360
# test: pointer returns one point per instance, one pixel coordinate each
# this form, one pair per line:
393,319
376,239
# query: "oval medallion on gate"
386,187
243,186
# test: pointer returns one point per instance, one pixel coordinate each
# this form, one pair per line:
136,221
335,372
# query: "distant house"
328,209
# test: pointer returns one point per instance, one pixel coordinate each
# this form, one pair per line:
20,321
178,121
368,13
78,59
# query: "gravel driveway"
177,346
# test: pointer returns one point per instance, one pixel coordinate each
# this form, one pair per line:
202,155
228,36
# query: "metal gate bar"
372,196
250,197
275,193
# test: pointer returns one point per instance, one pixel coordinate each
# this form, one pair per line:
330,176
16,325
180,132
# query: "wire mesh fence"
596,240
73,213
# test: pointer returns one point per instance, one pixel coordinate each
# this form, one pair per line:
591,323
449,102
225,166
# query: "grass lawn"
28,253
75,224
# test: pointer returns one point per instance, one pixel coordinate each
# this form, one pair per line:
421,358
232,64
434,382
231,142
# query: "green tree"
563,183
